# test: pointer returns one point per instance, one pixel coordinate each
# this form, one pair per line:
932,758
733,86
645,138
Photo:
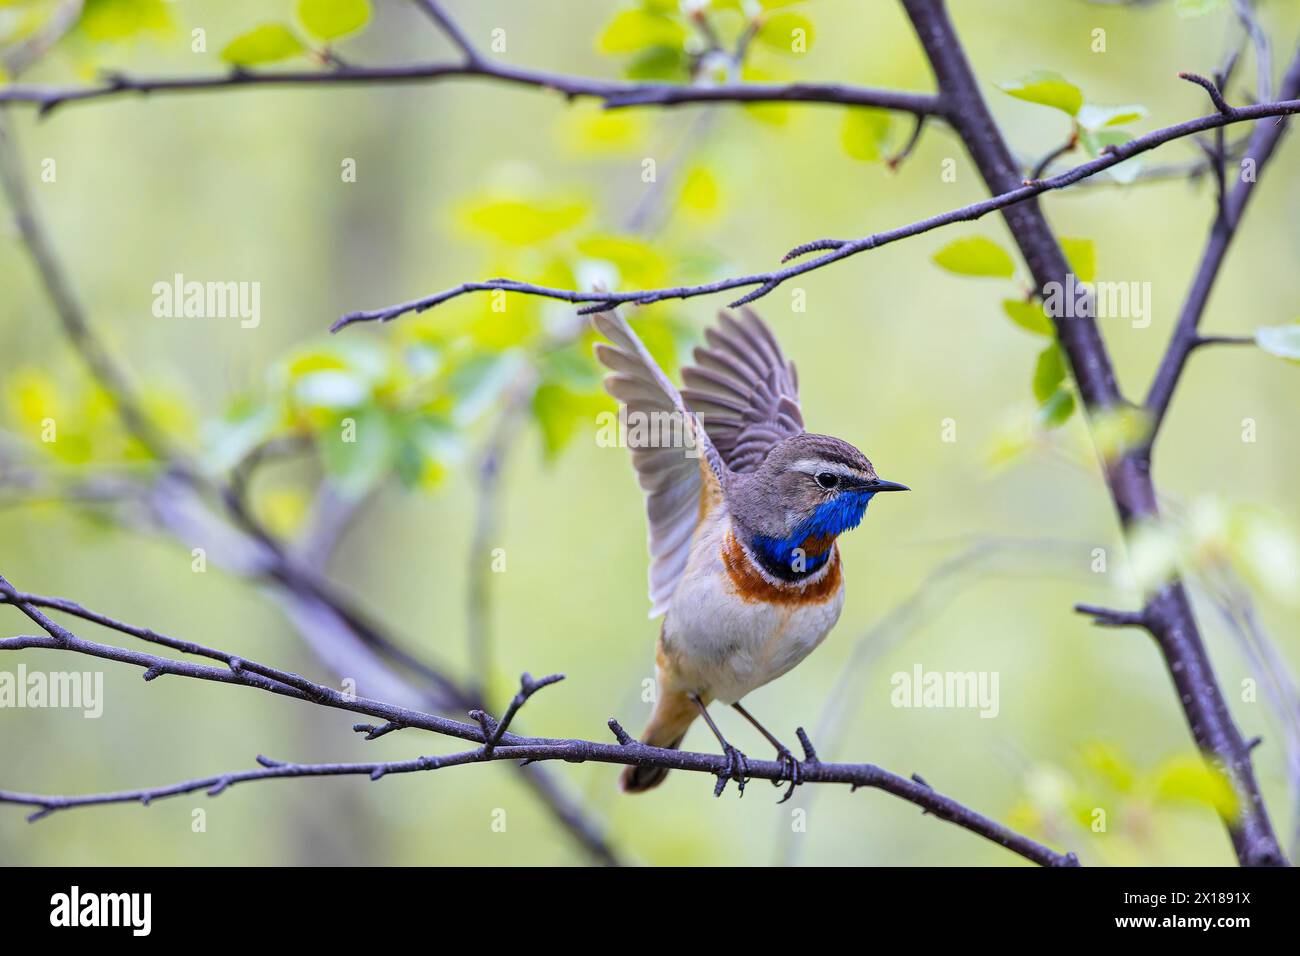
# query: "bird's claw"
737,769
791,770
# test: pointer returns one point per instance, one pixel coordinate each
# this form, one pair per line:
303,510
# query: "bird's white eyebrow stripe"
814,466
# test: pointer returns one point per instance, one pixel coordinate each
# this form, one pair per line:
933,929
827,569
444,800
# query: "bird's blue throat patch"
798,556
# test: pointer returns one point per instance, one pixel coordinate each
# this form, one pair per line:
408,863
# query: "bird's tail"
672,717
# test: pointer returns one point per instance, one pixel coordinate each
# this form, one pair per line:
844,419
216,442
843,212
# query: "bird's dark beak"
881,485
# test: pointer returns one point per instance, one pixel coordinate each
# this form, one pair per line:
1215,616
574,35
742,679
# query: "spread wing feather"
680,487
744,389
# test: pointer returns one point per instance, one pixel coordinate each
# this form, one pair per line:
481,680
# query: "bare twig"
614,94
1068,146
433,9
918,127
1184,340
1110,617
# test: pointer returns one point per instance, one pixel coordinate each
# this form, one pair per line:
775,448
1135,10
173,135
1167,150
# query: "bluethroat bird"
744,508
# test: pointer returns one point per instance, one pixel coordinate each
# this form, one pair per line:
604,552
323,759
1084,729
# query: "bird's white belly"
723,644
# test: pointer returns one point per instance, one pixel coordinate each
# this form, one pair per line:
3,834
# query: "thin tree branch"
433,10
918,127
1068,146
1263,143
1110,617
62,19
614,94
494,740
1246,13
762,283
93,352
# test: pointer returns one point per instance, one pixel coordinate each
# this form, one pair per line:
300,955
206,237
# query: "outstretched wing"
681,478
744,390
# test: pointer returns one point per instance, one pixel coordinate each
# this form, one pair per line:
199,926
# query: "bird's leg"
737,765
783,754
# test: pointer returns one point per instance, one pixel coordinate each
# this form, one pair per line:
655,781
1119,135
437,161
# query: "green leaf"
1110,764
522,222
865,133
331,19
667,63
1056,411
1281,340
1049,373
639,263
228,440
1095,117
975,256
1029,316
104,20
561,412
1193,779
790,33
357,451
331,388
425,446
479,382
1082,254
1094,141
1196,8
1046,88
636,29
268,43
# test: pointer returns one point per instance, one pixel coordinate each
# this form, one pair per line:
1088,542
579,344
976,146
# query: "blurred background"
336,199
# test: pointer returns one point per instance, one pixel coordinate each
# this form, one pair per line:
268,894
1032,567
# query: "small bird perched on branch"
744,508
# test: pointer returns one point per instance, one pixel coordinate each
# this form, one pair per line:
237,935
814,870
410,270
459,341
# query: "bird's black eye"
827,480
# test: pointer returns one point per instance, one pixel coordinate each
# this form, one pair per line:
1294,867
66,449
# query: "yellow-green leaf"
700,191
865,133
1047,88
1029,316
121,19
638,262
331,19
975,256
637,29
1082,254
1056,411
268,43
560,412
787,33
523,222
1096,117
1192,778
1110,764
1049,373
